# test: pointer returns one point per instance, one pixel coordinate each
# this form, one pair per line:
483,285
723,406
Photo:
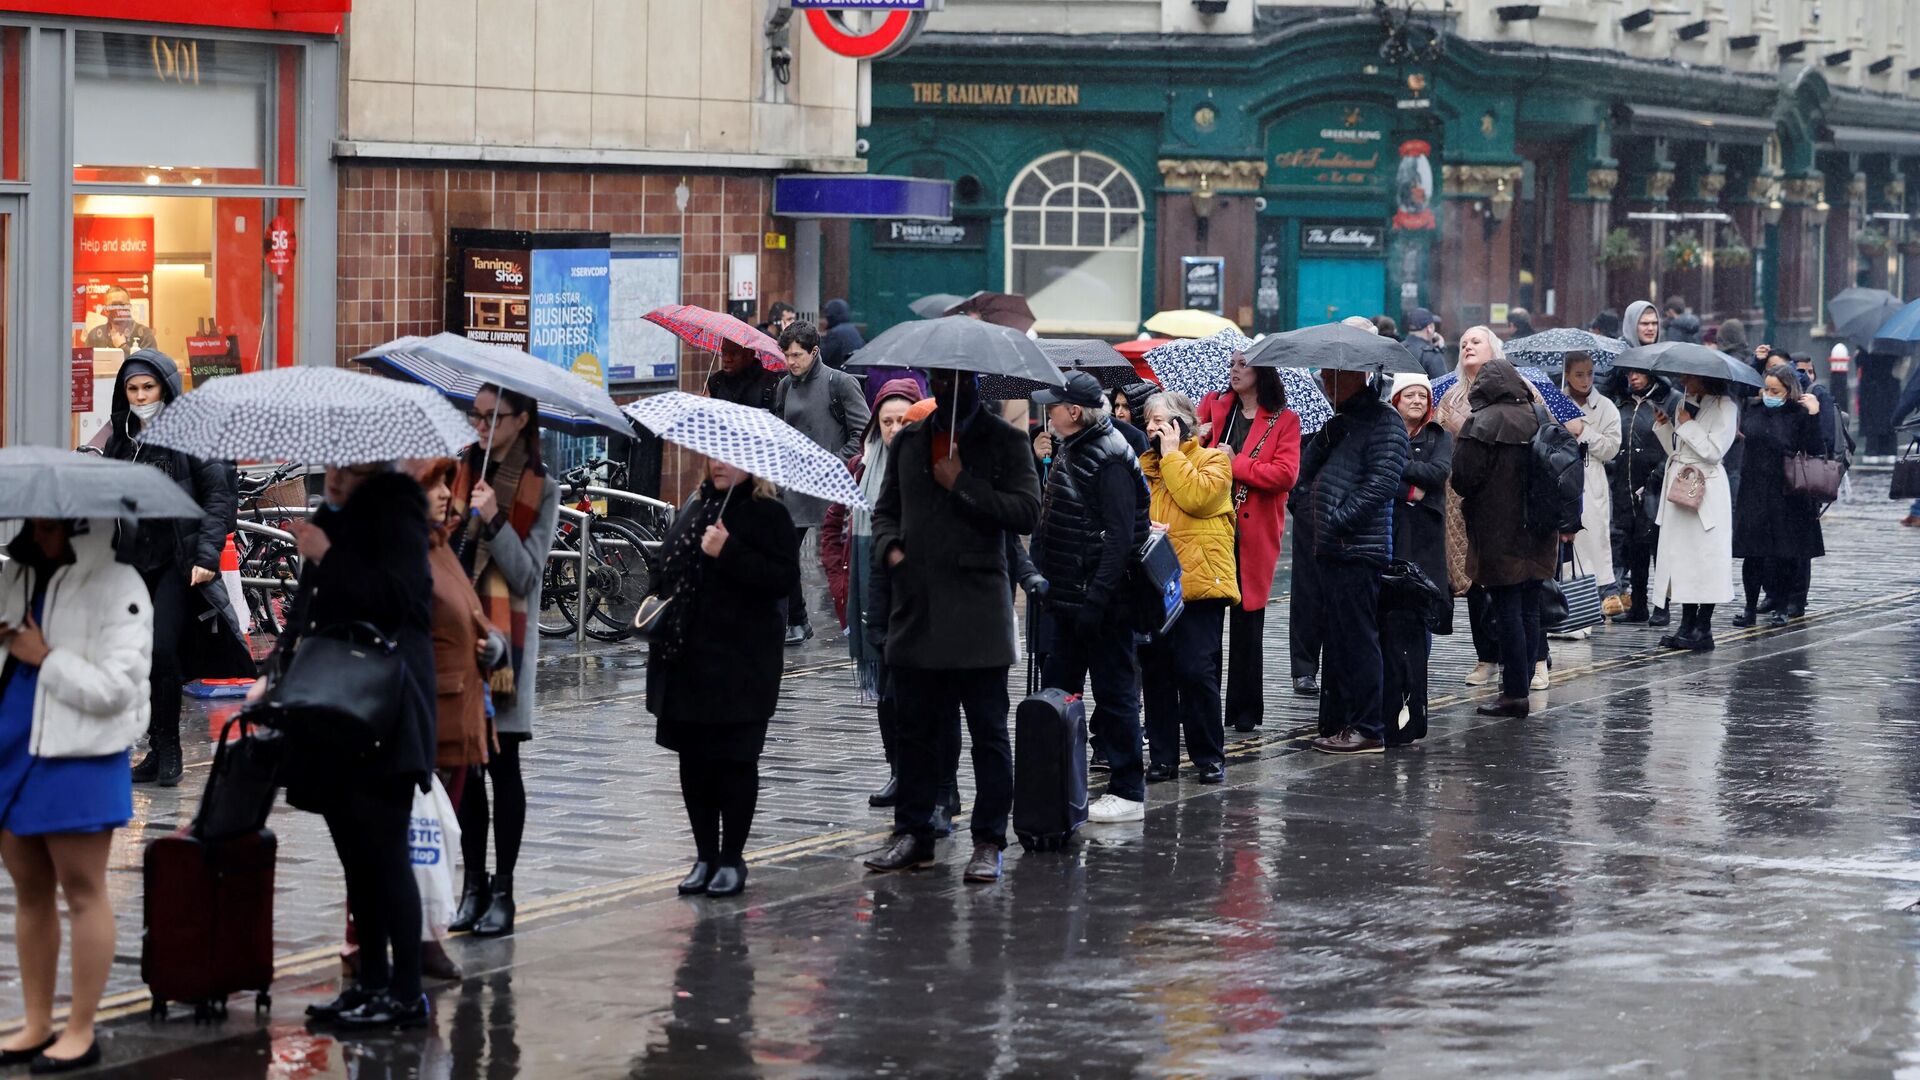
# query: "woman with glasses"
507,518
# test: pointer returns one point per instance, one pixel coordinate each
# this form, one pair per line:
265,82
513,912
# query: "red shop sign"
110,245
280,246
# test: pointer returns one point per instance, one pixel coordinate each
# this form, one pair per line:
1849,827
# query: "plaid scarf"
522,500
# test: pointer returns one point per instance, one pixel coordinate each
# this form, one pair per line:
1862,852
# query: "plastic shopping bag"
435,836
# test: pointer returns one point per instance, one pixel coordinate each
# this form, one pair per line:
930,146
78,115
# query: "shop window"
1074,243
166,109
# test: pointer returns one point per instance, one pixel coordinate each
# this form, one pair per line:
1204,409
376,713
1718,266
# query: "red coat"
1262,518
836,546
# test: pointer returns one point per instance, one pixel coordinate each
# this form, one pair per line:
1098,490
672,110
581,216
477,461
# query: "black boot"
498,920
1701,640
473,902
888,795
167,748
148,768
1747,618
1673,640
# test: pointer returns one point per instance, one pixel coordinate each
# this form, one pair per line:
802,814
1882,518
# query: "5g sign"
901,22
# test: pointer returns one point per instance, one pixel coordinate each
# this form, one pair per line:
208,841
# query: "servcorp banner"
567,320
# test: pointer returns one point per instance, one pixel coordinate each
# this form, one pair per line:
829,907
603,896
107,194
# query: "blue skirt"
54,795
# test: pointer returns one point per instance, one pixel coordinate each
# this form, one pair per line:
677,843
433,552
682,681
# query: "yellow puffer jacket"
1193,497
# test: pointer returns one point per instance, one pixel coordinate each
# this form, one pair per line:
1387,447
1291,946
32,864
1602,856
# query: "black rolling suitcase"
1049,769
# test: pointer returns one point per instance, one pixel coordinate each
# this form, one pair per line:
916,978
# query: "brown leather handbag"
1816,478
1688,487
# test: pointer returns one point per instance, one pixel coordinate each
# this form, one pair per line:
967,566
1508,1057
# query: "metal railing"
580,580
273,534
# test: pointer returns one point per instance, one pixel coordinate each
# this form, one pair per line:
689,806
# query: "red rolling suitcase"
209,921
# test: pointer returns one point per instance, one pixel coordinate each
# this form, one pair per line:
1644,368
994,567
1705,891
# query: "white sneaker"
1540,676
1482,674
1575,635
1109,808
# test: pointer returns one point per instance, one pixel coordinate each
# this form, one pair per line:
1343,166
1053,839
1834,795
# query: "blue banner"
567,323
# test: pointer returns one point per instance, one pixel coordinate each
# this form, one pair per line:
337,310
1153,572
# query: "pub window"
1073,243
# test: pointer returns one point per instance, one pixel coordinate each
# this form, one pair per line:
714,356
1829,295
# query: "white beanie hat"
1839,352
1361,322
1404,380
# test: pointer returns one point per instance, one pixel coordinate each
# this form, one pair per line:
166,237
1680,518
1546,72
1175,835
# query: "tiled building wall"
394,223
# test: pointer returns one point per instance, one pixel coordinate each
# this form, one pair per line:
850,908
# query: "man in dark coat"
742,378
1682,325
830,408
1094,517
957,483
1351,470
841,338
1423,341
1640,465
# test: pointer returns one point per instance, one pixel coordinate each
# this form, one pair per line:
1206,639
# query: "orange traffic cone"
237,595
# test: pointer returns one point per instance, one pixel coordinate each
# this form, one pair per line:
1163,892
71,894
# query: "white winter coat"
91,697
1593,544
1694,562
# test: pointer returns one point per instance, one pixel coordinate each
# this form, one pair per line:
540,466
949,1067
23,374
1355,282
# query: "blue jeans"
1914,510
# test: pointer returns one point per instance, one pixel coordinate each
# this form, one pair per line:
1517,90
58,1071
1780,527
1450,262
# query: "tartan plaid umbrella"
705,329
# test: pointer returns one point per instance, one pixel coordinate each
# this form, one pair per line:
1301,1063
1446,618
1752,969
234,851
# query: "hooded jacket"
1490,463
1630,322
91,697
1350,471
155,544
837,345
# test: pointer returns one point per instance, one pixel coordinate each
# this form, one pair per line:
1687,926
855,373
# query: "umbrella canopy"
1686,358
1091,355
1188,323
1204,366
934,305
458,367
1333,345
1006,309
1858,313
1549,348
959,343
1559,405
705,329
751,439
325,416
1902,326
41,482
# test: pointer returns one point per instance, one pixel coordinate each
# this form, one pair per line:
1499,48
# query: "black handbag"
343,689
1906,474
1816,478
242,784
1153,584
1406,587
1553,603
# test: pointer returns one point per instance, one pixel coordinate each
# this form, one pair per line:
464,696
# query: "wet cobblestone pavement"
1684,865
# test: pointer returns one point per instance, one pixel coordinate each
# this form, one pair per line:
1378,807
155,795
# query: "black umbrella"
1686,358
1857,312
937,304
1091,355
41,482
1334,346
959,343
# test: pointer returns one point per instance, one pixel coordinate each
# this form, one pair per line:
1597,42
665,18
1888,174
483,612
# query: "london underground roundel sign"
891,34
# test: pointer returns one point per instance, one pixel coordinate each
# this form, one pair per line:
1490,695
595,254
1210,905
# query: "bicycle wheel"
559,588
621,569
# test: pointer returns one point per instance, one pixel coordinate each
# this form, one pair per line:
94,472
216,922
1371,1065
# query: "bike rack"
580,579
271,533
628,496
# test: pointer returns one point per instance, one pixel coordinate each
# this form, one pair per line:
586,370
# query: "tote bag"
1582,595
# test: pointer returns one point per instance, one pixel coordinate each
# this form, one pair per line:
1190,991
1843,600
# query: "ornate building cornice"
1709,187
1477,181
1185,174
1601,182
1803,190
1659,184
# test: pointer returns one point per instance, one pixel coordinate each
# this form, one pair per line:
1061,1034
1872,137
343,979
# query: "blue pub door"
1332,289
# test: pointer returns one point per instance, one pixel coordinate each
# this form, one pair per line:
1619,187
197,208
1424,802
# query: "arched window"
1073,244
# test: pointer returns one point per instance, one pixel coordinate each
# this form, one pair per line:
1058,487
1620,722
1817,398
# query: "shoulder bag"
343,689
1688,487
1906,474
1153,583
1239,488
1578,598
1816,478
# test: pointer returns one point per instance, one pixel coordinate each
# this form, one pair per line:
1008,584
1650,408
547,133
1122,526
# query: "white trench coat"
1694,562
1593,544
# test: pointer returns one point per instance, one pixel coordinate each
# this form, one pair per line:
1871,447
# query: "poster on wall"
644,274
495,285
1266,289
113,282
1200,282
567,317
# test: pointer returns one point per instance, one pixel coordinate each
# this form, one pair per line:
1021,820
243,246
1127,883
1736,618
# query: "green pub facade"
1304,172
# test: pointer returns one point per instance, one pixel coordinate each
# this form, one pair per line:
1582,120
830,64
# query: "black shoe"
1660,617
888,795
1213,772
170,766
1634,615
984,867
1776,620
474,899
382,1011
146,772
1245,727
1744,619
798,635
498,921
1160,774
1307,686
1670,641
905,852
1513,707
728,879
10,1058
1768,603
1099,762
348,1000
1698,642
46,1066
697,879
1348,741
1796,610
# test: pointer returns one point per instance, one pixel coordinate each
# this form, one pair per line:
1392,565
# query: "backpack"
1556,478
836,408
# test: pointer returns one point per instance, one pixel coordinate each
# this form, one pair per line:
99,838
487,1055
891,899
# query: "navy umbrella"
458,367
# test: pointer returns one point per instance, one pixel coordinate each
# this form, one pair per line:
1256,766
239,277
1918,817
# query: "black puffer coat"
1767,521
1092,517
1641,461
157,544
1350,470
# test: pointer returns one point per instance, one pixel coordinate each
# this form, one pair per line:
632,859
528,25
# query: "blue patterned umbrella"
458,367
1549,348
1197,367
751,439
1558,404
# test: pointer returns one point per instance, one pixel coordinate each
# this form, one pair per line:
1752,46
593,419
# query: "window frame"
1135,243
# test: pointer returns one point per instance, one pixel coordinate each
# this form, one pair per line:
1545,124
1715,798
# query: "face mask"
1772,402
148,411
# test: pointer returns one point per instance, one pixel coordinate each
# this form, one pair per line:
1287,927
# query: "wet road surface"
1681,866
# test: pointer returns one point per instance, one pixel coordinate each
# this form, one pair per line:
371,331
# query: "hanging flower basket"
1733,254
1684,252
1621,251
1872,242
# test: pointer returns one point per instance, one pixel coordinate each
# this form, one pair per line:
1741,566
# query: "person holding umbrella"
1599,433
1640,465
742,378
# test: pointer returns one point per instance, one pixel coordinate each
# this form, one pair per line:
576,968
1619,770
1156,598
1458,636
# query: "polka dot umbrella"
750,439
323,416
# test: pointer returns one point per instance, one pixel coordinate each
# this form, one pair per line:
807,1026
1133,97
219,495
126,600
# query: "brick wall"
393,243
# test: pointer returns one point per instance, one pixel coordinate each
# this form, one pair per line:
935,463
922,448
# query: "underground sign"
891,34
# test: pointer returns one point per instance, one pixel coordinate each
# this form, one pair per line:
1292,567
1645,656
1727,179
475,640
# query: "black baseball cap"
1082,389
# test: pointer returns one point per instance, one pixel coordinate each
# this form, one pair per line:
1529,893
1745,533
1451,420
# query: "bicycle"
269,560
620,564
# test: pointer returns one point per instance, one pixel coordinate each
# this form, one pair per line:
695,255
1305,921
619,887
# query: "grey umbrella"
1091,355
1686,358
458,367
958,343
40,482
1857,312
1332,345
937,304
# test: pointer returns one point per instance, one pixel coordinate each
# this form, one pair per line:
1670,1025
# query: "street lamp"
1500,206
1817,217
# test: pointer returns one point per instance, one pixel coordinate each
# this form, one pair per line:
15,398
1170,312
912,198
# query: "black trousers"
1639,565
1405,643
1784,580
929,700
1304,629
1351,684
370,825
507,815
170,590
720,797
1246,666
1109,661
797,599
1180,677
1516,625
1486,640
